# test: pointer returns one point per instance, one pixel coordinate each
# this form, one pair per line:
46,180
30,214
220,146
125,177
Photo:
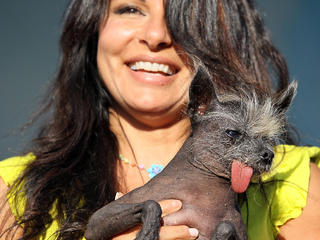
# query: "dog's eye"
233,133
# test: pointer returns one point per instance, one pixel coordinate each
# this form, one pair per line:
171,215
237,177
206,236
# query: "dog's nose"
267,157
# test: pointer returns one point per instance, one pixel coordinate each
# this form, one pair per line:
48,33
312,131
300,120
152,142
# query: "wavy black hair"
75,150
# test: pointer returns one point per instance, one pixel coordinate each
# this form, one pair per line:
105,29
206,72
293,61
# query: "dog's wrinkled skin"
243,128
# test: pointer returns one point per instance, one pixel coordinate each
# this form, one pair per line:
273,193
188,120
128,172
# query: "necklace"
154,170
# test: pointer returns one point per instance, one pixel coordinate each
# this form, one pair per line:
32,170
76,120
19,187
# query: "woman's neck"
147,145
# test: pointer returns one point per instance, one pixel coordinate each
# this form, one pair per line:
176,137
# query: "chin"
151,109
152,115
149,104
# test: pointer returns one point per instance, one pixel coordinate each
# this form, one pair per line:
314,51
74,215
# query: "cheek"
114,36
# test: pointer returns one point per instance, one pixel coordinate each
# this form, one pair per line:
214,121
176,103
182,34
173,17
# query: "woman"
122,88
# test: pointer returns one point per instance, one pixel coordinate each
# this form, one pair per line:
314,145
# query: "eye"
128,10
233,133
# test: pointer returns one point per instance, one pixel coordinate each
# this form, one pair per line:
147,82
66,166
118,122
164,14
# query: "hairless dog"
232,140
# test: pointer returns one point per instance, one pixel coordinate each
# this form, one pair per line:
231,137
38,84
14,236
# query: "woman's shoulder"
11,168
290,177
282,193
292,163
6,216
306,226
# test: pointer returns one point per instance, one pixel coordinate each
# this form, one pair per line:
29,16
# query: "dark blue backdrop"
29,57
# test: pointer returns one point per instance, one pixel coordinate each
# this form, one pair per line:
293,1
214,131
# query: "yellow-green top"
286,188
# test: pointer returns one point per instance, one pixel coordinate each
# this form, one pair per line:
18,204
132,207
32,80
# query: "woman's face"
138,63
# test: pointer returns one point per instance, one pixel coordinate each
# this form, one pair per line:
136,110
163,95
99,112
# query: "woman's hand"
166,232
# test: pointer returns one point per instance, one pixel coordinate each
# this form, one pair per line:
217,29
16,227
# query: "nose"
155,34
267,156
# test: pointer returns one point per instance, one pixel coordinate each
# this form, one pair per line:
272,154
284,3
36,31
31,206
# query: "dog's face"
241,127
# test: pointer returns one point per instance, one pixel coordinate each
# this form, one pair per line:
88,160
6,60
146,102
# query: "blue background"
29,58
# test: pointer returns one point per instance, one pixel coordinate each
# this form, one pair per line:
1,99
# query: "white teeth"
155,67
151,67
166,68
148,65
134,67
161,67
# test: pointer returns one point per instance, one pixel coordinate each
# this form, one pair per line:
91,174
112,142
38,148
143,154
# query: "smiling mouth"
152,68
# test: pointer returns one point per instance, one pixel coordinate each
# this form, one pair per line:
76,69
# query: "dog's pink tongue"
240,176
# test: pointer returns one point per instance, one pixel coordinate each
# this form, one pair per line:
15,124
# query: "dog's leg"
116,218
151,219
112,219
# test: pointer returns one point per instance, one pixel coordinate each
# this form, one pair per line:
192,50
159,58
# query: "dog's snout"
267,156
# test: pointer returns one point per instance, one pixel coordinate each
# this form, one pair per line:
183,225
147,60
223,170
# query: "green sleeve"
282,194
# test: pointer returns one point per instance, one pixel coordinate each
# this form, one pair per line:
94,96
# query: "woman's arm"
306,226
7,219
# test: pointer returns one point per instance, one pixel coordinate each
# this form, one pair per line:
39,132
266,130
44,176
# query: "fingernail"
117,196
176,204
194,232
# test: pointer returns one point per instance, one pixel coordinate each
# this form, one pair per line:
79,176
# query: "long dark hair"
75,150
229,37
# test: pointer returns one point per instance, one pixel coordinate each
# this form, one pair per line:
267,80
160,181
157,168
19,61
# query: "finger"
178,232
175,218
166,233
170,206
128,235
118,195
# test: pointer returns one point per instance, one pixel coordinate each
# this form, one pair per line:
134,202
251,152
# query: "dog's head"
234,134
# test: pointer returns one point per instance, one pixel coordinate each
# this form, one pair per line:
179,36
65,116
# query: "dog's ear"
202,94
283,100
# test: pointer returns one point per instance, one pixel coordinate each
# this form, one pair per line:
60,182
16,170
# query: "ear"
202,95
284,99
